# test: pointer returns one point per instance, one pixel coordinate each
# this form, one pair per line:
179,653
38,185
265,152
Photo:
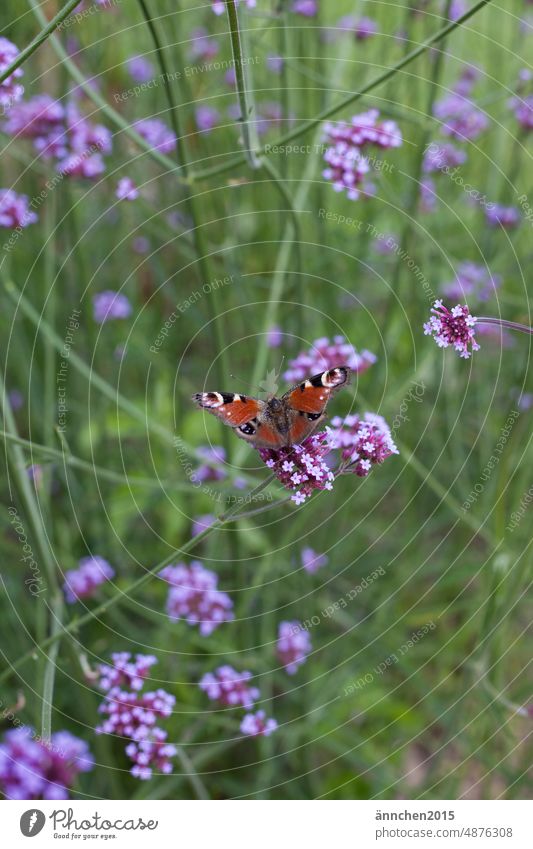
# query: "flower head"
212,469
498,215
325,354
134,715
453,327
472,280
207,117
194,596
301,468
257,725
293,646
157,134
311,561
10,89
84,581
14,210
126,189
363,442
523,110
202,44
219,7
109,304
140,69
364,28
442,155
125,670
33,769
460,118
229,687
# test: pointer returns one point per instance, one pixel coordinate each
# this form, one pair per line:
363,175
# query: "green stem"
40,39
56,613
126,593
238,60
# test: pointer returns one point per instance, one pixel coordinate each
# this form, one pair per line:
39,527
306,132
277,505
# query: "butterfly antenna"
245,382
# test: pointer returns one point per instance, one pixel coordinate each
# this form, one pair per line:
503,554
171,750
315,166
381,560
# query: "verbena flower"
274,336
274,63
346,155
126,189
523,110
362,442
453,327
14,210
311,561
460,117
212,469
498,215
125,670
257,725
10,89
293,646
207,117
229,687
140,69
42,119
364,28
325,354
307,8
109,304
200,523
301,468
85,580
33,769
472,280
157,134
428,195
86,143
202,45
194,596
442,155
133,715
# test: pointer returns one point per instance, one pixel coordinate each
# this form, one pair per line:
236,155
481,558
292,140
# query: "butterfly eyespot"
247,428
313,416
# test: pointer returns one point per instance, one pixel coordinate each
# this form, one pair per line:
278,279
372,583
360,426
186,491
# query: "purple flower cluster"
461,118
311,561
232,689
306,8
346,154
140,69
452,327
293,646
62,134
207,117
194,596
324,355
472,280
202,45
523,110
126,189
33,769
363,442
364,28
85,580
498,215
229,687
212,469
134,715
301,468
257,725
10,89
157,134
14,210
442,155
109,304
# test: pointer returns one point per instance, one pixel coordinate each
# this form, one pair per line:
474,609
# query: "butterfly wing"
238,411
307,402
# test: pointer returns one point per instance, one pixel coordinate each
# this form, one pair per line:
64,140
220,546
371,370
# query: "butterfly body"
276,422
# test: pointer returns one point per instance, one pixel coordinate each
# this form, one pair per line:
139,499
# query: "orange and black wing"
307,402
237,411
